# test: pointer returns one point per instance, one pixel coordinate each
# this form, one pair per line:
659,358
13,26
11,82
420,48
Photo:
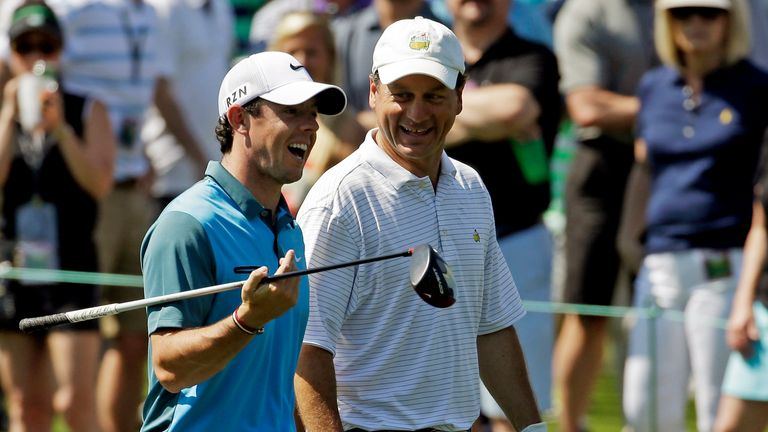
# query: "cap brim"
23,28
331,100
671,4
391,72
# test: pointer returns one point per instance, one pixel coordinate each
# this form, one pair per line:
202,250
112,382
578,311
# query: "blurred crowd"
621,142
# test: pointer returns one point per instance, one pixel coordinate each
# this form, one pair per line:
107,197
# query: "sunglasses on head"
684,13
25,47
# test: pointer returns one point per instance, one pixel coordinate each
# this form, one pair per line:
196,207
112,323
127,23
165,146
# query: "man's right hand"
265,302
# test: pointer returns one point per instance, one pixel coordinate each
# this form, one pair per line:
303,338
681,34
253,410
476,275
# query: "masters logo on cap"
418,46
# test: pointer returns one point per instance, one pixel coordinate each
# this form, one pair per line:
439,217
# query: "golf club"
429,275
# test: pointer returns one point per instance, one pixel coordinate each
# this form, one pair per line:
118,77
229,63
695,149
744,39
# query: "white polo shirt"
401,363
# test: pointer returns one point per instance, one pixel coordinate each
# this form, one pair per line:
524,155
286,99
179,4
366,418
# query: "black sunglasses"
27,47
708,13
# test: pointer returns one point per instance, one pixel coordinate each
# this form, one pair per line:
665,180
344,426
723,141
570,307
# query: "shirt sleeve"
502,306
577,38
331,294
176,256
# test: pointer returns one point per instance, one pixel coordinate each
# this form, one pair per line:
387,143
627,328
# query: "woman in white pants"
700,129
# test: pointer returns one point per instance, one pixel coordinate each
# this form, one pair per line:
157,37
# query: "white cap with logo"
671,4
418,46
277,77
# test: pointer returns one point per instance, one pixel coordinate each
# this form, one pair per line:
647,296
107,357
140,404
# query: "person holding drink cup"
56,160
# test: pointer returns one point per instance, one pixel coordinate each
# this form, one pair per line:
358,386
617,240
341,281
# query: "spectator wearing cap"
375,356
700,128
227,361
53,171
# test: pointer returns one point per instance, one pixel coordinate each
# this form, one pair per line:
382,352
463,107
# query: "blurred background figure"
744,400
511,108
307,36
603,47
356,35
700,127
531,19
200,38
267,18
52,172
115,51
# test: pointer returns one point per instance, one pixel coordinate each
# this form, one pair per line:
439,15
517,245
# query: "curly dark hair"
223,130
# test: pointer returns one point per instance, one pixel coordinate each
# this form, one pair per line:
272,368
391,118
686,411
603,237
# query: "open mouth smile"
415,131
297,149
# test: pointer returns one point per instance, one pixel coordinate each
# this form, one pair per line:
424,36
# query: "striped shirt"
113,52
401,363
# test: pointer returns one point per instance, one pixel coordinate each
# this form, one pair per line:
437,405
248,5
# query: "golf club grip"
308,271
48,321
29,325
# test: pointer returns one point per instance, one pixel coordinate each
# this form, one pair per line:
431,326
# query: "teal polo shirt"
197,241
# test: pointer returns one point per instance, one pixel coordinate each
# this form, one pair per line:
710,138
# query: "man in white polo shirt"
375,356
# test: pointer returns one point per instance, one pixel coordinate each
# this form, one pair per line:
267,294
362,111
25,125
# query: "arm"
495,112
175,122
91,160
185,357
315,385
7,128
741,329
503,371
594,106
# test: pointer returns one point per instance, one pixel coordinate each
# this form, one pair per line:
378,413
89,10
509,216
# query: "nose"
309,122
418,110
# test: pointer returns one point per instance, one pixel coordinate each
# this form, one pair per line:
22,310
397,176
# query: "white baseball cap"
418,46
277,77
671,4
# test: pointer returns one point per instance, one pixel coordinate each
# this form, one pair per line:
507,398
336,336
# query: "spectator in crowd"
56,160
226,361
531,19
700,127
744,401
511,108
356,36
603,47
200,41
307,36
397,190
115,51
267,18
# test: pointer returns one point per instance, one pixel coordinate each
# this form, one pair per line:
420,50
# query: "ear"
238,119
371,92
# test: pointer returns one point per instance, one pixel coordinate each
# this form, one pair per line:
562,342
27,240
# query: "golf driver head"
431,277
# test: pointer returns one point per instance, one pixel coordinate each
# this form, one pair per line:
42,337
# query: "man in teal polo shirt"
226,361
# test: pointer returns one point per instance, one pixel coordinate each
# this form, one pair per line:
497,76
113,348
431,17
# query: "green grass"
605,412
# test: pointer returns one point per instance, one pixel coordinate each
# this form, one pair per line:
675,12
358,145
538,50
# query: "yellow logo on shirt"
726,116
476,237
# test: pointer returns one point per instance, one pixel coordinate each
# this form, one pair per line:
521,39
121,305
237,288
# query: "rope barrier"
67,276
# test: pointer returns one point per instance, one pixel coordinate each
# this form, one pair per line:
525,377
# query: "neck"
699,66
475,39
390,11
268,196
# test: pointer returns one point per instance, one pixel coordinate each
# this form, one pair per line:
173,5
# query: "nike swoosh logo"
298,259
296,67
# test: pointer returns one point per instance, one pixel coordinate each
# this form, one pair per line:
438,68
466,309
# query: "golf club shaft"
48,321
